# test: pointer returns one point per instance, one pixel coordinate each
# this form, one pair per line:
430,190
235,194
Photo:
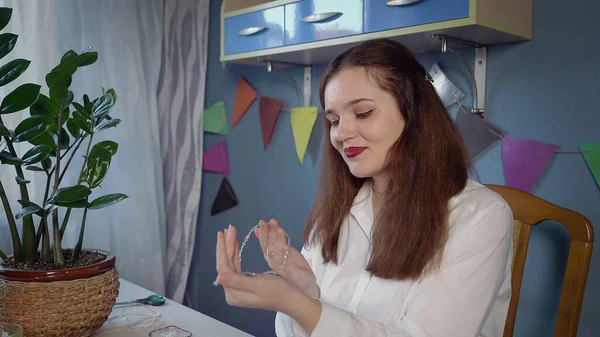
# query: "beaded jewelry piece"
270,255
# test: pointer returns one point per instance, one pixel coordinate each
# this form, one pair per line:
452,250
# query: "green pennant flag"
591,154
214,119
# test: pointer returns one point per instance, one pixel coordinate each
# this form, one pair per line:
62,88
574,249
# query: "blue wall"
545,90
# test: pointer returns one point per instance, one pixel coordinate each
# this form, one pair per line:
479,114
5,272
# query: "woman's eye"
334,122
365,114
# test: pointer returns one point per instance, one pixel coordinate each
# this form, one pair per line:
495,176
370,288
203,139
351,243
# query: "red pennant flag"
244,97
269,111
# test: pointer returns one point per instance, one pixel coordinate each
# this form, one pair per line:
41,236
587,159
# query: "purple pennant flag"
524,161
476,132
216,159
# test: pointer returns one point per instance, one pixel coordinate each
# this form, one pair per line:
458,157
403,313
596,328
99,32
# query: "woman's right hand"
273,242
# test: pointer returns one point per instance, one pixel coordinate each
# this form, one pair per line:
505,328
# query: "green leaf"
37,154
69,100
5,14
86,59
43,139
7,158
107,124
27,211
65,140
59,93
32,127
46,164
68,64
102,106
70,194
54,77
108,145
7,43
112,93
4,131
34,168
74,204
44,106
82,125
87,104
30,134
20,98
73,128
21,181
25,204
107,200
12,70
32,122
98,163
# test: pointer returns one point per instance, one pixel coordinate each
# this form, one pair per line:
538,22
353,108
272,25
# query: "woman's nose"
346,129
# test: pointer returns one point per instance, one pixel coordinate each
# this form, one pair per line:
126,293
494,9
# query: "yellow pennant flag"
303,120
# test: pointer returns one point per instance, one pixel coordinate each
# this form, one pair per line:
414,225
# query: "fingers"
230,239
263,234
223,264
236,260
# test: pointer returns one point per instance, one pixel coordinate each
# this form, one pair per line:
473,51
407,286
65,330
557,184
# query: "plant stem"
77,250
69,161
58,254
63,226
29,242
45,256
16,240
3,256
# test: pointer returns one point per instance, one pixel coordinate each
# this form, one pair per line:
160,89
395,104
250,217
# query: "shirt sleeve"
453,302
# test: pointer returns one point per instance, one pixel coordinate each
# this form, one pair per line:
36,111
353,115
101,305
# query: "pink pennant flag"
524,161
216,159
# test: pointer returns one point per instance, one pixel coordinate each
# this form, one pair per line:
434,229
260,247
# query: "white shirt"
467,297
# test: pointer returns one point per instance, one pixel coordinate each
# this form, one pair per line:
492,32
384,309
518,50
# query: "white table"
171,313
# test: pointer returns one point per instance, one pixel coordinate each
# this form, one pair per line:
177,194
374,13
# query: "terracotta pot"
68,303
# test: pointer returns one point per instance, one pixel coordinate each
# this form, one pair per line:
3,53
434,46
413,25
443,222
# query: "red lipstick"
352,152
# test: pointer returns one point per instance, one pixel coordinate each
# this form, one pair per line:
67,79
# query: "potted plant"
49,290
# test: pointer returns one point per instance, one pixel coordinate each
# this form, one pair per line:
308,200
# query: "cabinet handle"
250,31
396,3
314,18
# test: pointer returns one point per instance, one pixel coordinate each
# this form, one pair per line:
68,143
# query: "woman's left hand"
269,292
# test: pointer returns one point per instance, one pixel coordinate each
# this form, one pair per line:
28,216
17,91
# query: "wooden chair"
529,210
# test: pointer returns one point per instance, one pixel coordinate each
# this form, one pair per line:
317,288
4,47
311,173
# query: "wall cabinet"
311,32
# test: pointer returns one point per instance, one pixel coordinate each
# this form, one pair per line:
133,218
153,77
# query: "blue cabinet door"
315,20
382,14
254,31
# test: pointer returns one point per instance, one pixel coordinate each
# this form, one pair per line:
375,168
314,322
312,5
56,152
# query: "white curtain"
128,37
181,104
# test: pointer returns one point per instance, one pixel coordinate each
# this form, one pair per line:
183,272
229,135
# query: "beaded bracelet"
269,255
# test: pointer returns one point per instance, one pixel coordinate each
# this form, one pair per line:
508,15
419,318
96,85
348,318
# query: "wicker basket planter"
67,303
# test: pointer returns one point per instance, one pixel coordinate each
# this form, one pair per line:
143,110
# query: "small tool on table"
153,300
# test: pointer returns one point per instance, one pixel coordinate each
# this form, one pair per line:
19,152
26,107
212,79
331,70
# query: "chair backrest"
529,210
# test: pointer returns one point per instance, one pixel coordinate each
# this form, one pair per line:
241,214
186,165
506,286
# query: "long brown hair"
426,167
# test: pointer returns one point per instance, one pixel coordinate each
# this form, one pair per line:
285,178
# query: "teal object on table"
153,300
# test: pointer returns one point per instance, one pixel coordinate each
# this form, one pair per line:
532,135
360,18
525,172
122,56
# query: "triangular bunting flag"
524,161
269,111
225,198
216,159
214,119
591,154
303,120
244,97
477,133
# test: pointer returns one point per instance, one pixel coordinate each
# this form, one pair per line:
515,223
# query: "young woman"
399,242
